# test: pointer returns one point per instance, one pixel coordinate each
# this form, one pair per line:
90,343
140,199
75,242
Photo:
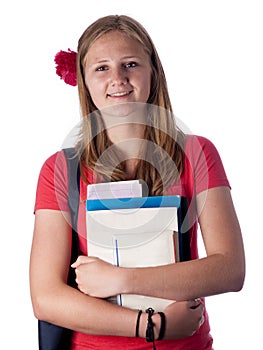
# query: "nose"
118,77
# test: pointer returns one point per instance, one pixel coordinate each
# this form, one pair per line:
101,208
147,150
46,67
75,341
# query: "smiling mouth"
120,94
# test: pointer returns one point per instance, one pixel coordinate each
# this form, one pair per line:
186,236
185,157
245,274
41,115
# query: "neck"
130,168
126,132
125,125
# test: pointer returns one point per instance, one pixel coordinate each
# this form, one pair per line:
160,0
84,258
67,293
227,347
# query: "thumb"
80,260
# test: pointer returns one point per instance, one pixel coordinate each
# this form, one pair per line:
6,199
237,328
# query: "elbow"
40,308
235,285
37,310
231,277
237,279
238,282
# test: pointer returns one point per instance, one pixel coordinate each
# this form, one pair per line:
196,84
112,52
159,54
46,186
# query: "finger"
194,303
82,259
202,321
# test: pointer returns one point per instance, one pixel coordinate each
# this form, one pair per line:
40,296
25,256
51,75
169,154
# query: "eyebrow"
106,60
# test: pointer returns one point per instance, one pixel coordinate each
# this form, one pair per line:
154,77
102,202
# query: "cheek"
146,84
89,85
93,87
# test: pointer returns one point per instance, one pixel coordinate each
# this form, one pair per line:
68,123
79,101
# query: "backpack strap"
50,336
184,231
73,201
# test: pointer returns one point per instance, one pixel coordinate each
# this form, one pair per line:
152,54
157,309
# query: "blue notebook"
137,202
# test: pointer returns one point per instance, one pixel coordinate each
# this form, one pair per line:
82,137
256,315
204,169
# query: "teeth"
120,93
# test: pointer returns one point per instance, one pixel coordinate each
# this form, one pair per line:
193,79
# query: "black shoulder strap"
73,196
50,336
184,231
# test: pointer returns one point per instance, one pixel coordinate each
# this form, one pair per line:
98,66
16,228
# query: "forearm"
187,280
72,309
223,270
98,317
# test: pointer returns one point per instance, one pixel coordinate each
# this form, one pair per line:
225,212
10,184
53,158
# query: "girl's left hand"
96,277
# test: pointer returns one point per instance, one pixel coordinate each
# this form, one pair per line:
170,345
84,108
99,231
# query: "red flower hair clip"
66,68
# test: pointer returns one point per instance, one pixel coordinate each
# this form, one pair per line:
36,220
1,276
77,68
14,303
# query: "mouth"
119,94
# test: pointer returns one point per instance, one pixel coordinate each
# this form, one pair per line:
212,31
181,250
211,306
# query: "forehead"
115,42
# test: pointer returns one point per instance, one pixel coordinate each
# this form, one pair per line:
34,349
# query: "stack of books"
129,230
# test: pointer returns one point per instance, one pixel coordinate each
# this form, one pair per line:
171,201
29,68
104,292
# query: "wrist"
157,324
124,277
143,325
119,279
150,325
143,322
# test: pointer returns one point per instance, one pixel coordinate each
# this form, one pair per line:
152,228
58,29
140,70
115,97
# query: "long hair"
160,131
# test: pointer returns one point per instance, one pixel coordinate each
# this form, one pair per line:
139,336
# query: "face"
117,70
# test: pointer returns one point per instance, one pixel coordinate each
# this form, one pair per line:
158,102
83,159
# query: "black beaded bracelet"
150,325
138,323
149,329
163,326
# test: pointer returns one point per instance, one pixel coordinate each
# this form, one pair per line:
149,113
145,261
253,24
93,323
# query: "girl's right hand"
183,318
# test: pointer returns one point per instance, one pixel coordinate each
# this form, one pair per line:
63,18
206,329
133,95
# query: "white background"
212,55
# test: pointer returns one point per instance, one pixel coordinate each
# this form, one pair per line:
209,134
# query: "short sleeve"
206,164
52,187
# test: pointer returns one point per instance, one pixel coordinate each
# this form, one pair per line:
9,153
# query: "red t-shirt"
203,169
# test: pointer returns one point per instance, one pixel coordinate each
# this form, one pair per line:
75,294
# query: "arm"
50,257
223,269
54,301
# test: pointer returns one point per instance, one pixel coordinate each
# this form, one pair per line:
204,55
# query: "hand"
183,318
96,277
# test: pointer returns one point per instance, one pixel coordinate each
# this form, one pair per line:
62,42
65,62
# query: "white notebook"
118,189
134,237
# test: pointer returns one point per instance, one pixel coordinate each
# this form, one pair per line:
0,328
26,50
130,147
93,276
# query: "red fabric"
203,169
196,342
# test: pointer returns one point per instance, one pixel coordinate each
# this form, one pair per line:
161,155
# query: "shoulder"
52,183
52,160
200,148
192,141
54,164
204,161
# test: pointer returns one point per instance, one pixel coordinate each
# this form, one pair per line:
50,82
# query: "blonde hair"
162,130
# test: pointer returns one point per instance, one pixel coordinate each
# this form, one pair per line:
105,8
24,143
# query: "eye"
101,68
131,65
